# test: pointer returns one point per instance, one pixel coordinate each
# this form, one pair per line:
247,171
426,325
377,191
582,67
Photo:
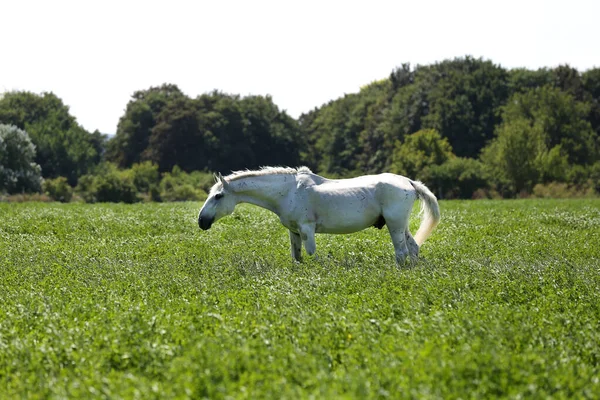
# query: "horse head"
220,202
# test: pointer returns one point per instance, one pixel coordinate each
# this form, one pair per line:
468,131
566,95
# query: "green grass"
134,301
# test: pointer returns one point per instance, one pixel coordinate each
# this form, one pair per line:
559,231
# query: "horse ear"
223,181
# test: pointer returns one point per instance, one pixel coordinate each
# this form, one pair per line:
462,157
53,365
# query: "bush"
58,189
141,183
116,187
183,192
145,176
561,190
595,176
456,178
26,197
181,186
18,172
108,185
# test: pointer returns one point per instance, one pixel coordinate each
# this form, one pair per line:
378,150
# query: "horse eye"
219,196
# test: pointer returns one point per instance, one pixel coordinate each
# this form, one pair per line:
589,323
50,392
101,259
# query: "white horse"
307,203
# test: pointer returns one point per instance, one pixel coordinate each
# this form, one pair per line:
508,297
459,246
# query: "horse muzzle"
205,223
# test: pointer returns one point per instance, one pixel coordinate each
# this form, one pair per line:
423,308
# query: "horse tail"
430,211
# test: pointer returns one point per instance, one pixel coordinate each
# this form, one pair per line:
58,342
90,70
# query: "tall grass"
134,301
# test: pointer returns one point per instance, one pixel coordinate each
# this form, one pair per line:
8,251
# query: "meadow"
134,301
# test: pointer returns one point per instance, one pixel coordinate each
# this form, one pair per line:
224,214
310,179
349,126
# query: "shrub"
108,184
181,186
456,178
58,189
26,197
115,187
561,190
183,192
595,176
145,176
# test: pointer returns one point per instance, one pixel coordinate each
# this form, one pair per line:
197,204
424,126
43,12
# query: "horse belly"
347,215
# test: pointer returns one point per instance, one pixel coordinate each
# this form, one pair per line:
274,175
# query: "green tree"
344,136
591,83
544,132
176,138
459,98
222,132
272,134
514,156
18,171
560,118
568,79
63,147
135,126
521,80
418,151
463,100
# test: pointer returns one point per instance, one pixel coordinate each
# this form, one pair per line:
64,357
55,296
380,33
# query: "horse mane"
267,171
263,171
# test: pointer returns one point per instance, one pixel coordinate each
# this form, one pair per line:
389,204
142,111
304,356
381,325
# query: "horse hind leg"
413,247
397,232
296,246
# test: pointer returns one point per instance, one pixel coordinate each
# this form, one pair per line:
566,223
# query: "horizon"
326,50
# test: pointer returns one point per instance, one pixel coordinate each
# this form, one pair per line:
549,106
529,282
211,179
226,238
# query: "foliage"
458,98
142,182
344,134
543,132
18,171
181,186
215,131
63,147
25,197
463,96
561,190
135,126
560,118
595,176
522,80
58,189
133,301
145,176
512,157
457,177
590,81
420,150
527,127
108,184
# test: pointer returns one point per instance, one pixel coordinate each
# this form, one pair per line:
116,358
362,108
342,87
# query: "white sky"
95,54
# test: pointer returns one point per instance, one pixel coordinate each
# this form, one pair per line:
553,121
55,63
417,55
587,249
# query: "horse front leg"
296,246
307,233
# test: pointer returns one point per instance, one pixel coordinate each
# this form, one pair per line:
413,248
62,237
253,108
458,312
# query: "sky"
95,54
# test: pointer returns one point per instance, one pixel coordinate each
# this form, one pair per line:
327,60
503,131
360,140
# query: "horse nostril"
204,223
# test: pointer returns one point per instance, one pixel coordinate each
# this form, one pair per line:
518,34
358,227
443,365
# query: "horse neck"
265,191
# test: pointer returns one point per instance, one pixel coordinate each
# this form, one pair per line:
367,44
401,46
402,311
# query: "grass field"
134,301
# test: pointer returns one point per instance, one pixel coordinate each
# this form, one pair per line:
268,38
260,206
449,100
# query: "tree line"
466,127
